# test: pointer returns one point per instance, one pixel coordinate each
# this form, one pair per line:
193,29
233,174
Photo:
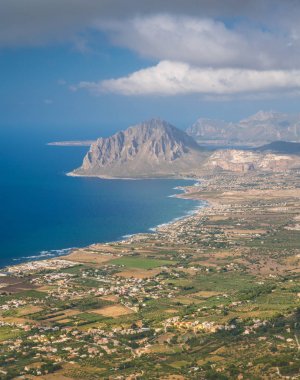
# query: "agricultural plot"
142,262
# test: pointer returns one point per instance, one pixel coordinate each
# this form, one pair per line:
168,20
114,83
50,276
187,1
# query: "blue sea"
45,213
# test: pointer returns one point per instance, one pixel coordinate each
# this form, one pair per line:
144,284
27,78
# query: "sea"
44,213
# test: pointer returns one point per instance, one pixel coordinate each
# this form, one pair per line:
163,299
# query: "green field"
141,262
6,332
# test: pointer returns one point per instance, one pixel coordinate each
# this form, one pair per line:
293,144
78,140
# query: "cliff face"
261,128
154,148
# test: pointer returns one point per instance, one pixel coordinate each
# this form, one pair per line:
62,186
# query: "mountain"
151,149
212,130
283,147
261,128
155,149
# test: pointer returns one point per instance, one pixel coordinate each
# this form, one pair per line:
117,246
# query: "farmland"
212,296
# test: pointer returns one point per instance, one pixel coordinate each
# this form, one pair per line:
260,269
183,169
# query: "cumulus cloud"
208,47
257,34
206,42
176,78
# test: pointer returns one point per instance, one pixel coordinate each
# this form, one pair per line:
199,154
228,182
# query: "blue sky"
89,64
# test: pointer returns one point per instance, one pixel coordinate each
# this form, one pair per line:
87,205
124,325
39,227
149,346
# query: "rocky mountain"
151,149
261,128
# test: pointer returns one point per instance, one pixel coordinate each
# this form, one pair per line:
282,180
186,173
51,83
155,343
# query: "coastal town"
160,305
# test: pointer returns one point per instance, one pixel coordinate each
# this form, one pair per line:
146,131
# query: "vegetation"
215,296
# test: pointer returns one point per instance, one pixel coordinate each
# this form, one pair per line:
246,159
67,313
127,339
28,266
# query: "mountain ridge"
261,128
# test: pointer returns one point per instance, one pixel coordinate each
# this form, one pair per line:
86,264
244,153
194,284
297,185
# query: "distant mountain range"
261,128
156,149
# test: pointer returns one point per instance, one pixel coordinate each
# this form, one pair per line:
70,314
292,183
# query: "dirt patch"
186,300
225,254
113,311
14,285
217,218
206,294
164,338
82,256
16,320
171,311
50,376
30,309
46,288
246,232
111,297
139,273
260,194
66,320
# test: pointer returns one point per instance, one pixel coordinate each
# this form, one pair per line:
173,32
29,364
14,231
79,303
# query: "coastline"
60,254
216,275
73,174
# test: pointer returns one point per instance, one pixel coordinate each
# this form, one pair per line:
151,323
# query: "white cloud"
206,42
176,78
264,34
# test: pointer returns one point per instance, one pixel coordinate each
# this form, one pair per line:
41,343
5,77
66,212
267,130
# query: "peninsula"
71,143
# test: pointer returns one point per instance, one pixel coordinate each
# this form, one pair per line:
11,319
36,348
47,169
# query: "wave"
128,236
46,254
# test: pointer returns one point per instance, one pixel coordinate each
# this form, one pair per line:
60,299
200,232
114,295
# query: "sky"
86,64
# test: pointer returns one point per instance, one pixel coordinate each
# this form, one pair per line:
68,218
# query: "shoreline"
46,255
73,174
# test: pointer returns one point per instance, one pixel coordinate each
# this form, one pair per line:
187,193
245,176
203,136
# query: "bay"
44,212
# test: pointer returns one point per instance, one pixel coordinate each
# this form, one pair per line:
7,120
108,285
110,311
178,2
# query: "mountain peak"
153,124
264,116
151,148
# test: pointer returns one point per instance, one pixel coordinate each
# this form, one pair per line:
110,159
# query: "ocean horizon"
46,213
